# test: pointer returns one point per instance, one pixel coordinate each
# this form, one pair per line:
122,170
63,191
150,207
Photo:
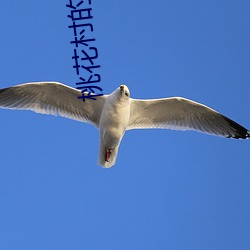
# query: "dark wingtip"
239,131
248,134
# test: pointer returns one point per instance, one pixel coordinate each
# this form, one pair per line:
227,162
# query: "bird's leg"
108,154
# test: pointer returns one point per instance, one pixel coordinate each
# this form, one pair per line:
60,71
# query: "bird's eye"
126,93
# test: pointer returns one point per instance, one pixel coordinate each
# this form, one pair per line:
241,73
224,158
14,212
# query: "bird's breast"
114,119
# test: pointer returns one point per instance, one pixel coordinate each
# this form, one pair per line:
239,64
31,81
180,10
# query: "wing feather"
52,98
182,114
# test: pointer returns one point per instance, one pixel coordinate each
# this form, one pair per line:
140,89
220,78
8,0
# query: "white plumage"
115,113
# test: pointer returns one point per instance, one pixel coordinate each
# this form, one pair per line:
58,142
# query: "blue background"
169,189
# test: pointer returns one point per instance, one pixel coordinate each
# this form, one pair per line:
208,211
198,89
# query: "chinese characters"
84,52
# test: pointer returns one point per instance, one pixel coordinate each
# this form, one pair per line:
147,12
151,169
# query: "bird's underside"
118,111
108,154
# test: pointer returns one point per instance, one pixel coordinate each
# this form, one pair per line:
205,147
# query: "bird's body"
113,124
116,113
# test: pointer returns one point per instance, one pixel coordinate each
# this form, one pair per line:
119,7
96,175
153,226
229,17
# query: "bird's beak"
122,88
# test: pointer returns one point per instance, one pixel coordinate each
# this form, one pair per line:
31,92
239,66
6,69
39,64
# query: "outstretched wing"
182,114
52,98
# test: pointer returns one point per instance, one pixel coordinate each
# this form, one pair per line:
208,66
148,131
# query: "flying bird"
116,113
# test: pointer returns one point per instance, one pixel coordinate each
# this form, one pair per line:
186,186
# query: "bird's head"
121,94
124,91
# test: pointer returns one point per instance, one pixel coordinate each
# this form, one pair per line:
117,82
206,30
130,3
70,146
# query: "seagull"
116,113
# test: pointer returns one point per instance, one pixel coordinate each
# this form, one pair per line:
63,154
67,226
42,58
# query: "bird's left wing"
182,114
52,98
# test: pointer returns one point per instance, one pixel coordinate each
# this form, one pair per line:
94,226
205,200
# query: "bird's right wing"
52,98
182,114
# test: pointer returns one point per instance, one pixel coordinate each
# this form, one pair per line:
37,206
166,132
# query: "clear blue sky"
169,189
